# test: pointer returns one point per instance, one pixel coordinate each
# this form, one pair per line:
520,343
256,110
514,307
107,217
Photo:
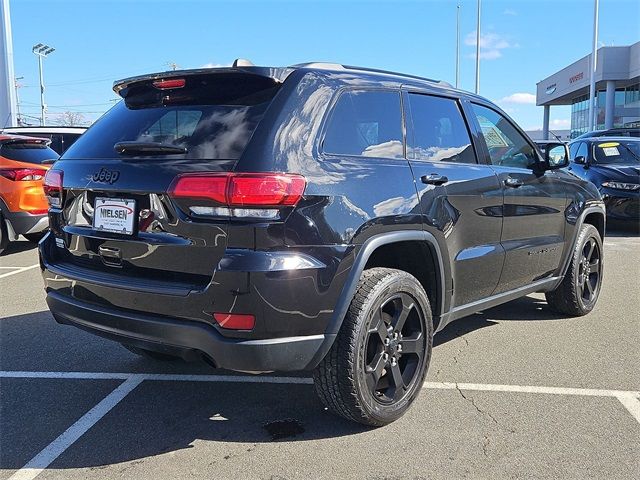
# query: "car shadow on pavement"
160,416
519,310
18,247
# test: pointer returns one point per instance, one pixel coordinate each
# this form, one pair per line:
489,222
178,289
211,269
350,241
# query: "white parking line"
19,270
586,392
42,460
632,404
629,398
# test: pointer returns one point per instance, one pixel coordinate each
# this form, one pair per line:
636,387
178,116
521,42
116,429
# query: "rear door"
117,217
459,197
534,202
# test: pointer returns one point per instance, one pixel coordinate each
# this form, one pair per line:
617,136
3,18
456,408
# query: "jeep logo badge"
106,176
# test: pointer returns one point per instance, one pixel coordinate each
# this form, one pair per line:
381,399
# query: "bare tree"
72,119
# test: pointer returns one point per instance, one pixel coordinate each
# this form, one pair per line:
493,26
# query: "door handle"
434,179
513,182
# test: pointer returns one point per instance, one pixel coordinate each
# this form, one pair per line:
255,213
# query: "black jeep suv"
316,217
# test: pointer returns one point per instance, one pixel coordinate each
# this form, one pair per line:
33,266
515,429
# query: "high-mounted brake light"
264,190
22,174
53,187
166,83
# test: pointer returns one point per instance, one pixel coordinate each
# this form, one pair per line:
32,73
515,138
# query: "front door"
534,202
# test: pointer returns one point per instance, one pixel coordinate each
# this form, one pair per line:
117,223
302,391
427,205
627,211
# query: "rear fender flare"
599,208
349,289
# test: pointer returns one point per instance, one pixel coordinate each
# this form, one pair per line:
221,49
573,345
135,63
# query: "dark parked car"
612,132
613,165
316,217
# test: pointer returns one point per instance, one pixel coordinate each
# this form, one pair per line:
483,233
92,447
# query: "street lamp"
41,51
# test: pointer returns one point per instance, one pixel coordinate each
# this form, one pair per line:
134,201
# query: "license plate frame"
114,215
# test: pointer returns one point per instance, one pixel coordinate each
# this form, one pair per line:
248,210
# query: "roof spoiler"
240,65
26,140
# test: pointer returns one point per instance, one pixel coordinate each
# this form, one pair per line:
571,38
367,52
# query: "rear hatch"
115,220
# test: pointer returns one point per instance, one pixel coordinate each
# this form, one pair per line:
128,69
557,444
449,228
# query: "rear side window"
27,152
366,123
212,116
439,131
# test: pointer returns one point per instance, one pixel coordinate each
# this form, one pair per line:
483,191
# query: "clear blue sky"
98,42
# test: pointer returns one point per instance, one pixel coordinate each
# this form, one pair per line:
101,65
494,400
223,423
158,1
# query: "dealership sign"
550,89
576,77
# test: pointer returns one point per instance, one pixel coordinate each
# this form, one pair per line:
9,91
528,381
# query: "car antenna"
557,137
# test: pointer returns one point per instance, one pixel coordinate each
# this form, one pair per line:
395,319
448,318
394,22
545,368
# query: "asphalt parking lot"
513,392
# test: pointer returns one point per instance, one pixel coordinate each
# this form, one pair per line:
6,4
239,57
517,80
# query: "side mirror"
581,160
556,155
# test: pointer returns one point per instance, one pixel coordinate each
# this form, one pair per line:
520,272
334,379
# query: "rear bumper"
189,339
23,222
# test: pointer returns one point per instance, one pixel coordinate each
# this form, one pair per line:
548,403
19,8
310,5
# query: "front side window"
439,131
507,147
366,123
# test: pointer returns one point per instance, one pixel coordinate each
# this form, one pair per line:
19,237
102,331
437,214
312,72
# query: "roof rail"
338,66
389,72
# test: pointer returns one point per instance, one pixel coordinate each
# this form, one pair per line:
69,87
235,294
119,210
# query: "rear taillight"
244,192
53,187
22,174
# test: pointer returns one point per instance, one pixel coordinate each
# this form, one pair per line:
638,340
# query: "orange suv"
23,206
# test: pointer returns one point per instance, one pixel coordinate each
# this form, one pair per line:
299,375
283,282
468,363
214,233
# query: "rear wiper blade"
147,148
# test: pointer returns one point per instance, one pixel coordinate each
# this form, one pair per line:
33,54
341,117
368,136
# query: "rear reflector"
22,174
167,83
242,189
53,187
234,321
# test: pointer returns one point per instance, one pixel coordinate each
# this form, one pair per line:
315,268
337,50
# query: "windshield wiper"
148,148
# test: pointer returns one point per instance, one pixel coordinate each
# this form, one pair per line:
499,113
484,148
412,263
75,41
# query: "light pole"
593,67
17,87
478,50
457,44
41,51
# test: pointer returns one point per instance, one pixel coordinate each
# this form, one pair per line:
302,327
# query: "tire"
34,237
364,379
4,237
580,288
142,352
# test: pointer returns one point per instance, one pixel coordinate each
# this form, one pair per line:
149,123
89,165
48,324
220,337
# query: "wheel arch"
594,215
366,253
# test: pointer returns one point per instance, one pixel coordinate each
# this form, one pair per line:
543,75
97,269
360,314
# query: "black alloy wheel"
395,347
589,271
377,364
578,292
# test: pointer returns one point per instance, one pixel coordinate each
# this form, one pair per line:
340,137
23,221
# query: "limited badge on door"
114,215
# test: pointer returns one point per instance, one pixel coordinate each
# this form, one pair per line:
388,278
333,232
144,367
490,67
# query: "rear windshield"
621,153
212,116
27,152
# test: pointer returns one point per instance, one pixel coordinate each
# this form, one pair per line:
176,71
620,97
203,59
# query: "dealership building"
617,85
